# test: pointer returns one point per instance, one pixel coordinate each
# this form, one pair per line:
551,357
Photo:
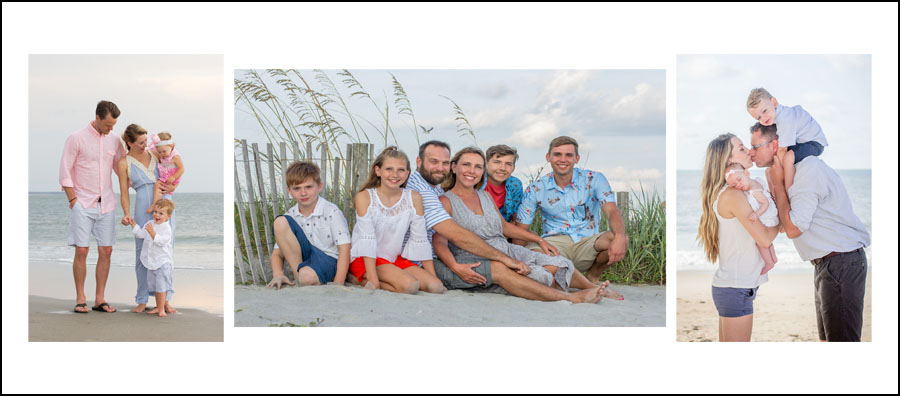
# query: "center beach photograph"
449,198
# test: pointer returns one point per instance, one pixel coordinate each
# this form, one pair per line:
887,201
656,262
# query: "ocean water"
198,232
690,255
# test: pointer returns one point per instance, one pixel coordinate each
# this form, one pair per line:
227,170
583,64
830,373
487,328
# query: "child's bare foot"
163,314
153,311
170,309
140,308
766,268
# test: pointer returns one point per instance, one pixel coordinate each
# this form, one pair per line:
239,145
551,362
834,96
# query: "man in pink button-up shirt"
85,169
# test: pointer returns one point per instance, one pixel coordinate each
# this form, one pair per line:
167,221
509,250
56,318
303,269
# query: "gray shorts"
86,222
840,292
453,281
160,279
733,302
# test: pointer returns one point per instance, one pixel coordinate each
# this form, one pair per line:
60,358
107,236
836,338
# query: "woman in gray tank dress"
463,197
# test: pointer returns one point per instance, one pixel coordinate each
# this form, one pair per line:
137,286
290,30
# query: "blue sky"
181,94
835,89
618,116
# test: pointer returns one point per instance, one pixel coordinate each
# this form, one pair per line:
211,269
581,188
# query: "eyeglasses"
756,146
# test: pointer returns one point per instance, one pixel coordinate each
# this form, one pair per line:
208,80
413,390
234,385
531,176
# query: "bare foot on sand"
140,308
170,309
610,293
590,296
161,312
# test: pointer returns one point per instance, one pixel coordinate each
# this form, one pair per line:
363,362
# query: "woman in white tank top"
730,238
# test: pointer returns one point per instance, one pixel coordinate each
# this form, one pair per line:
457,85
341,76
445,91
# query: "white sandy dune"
334,305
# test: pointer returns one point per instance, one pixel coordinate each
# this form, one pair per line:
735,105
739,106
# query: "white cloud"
624,179
642,102
536,130
565,83
491,117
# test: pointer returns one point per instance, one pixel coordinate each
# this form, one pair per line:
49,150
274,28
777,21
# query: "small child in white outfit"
760,201
157,254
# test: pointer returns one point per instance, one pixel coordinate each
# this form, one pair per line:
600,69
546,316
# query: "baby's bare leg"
772,250
157,194
766,253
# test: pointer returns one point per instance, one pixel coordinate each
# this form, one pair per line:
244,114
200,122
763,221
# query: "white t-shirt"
326,227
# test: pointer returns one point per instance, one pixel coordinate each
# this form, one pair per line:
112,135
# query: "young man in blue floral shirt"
570,200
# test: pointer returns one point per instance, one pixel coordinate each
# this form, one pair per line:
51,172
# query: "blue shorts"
732,302
324,265
805,149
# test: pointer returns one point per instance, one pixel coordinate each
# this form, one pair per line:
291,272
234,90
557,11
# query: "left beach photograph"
125,200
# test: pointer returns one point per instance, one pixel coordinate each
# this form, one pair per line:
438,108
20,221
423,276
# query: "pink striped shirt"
87,159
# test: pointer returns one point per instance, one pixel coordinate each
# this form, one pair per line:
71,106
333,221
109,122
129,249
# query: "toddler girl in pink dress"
169,165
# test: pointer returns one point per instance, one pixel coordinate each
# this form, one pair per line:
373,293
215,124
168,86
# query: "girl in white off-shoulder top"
390,233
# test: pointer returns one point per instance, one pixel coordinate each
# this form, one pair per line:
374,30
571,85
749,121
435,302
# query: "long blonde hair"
717,155
451,179
388,152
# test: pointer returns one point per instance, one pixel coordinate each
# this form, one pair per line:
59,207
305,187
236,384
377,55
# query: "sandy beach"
783,311
333,305
50,319
198,298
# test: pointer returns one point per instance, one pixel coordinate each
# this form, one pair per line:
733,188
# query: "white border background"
449,36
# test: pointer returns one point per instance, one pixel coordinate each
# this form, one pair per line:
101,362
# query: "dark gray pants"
840,283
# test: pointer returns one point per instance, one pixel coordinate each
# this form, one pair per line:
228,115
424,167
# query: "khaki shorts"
581,253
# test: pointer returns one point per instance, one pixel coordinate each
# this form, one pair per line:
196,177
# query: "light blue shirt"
573,210
434,211
795,125
821,209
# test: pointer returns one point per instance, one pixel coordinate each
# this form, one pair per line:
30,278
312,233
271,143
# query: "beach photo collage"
184,207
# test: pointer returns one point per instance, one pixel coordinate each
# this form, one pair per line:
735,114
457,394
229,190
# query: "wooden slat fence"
262,194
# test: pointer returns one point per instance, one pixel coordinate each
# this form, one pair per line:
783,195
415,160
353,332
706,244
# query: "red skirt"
358,266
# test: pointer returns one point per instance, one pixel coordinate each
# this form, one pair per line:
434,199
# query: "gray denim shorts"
732,302
84,222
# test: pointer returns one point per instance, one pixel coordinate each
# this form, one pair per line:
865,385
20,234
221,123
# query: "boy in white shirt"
313,236
157,254
799,135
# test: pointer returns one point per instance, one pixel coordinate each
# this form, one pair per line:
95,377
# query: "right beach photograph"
774,198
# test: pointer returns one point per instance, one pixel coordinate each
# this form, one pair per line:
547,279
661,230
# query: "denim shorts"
322,264
734,302
805,149
84,222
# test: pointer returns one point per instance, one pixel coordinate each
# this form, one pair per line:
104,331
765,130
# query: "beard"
434,178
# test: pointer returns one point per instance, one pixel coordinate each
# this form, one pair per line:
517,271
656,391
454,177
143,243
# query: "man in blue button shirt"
569,199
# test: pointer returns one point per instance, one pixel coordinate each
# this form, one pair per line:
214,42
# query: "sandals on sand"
100,308
82,305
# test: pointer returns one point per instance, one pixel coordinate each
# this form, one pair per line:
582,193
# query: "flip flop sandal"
82,305
100,308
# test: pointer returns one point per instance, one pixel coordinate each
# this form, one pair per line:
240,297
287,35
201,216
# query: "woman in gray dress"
474,210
